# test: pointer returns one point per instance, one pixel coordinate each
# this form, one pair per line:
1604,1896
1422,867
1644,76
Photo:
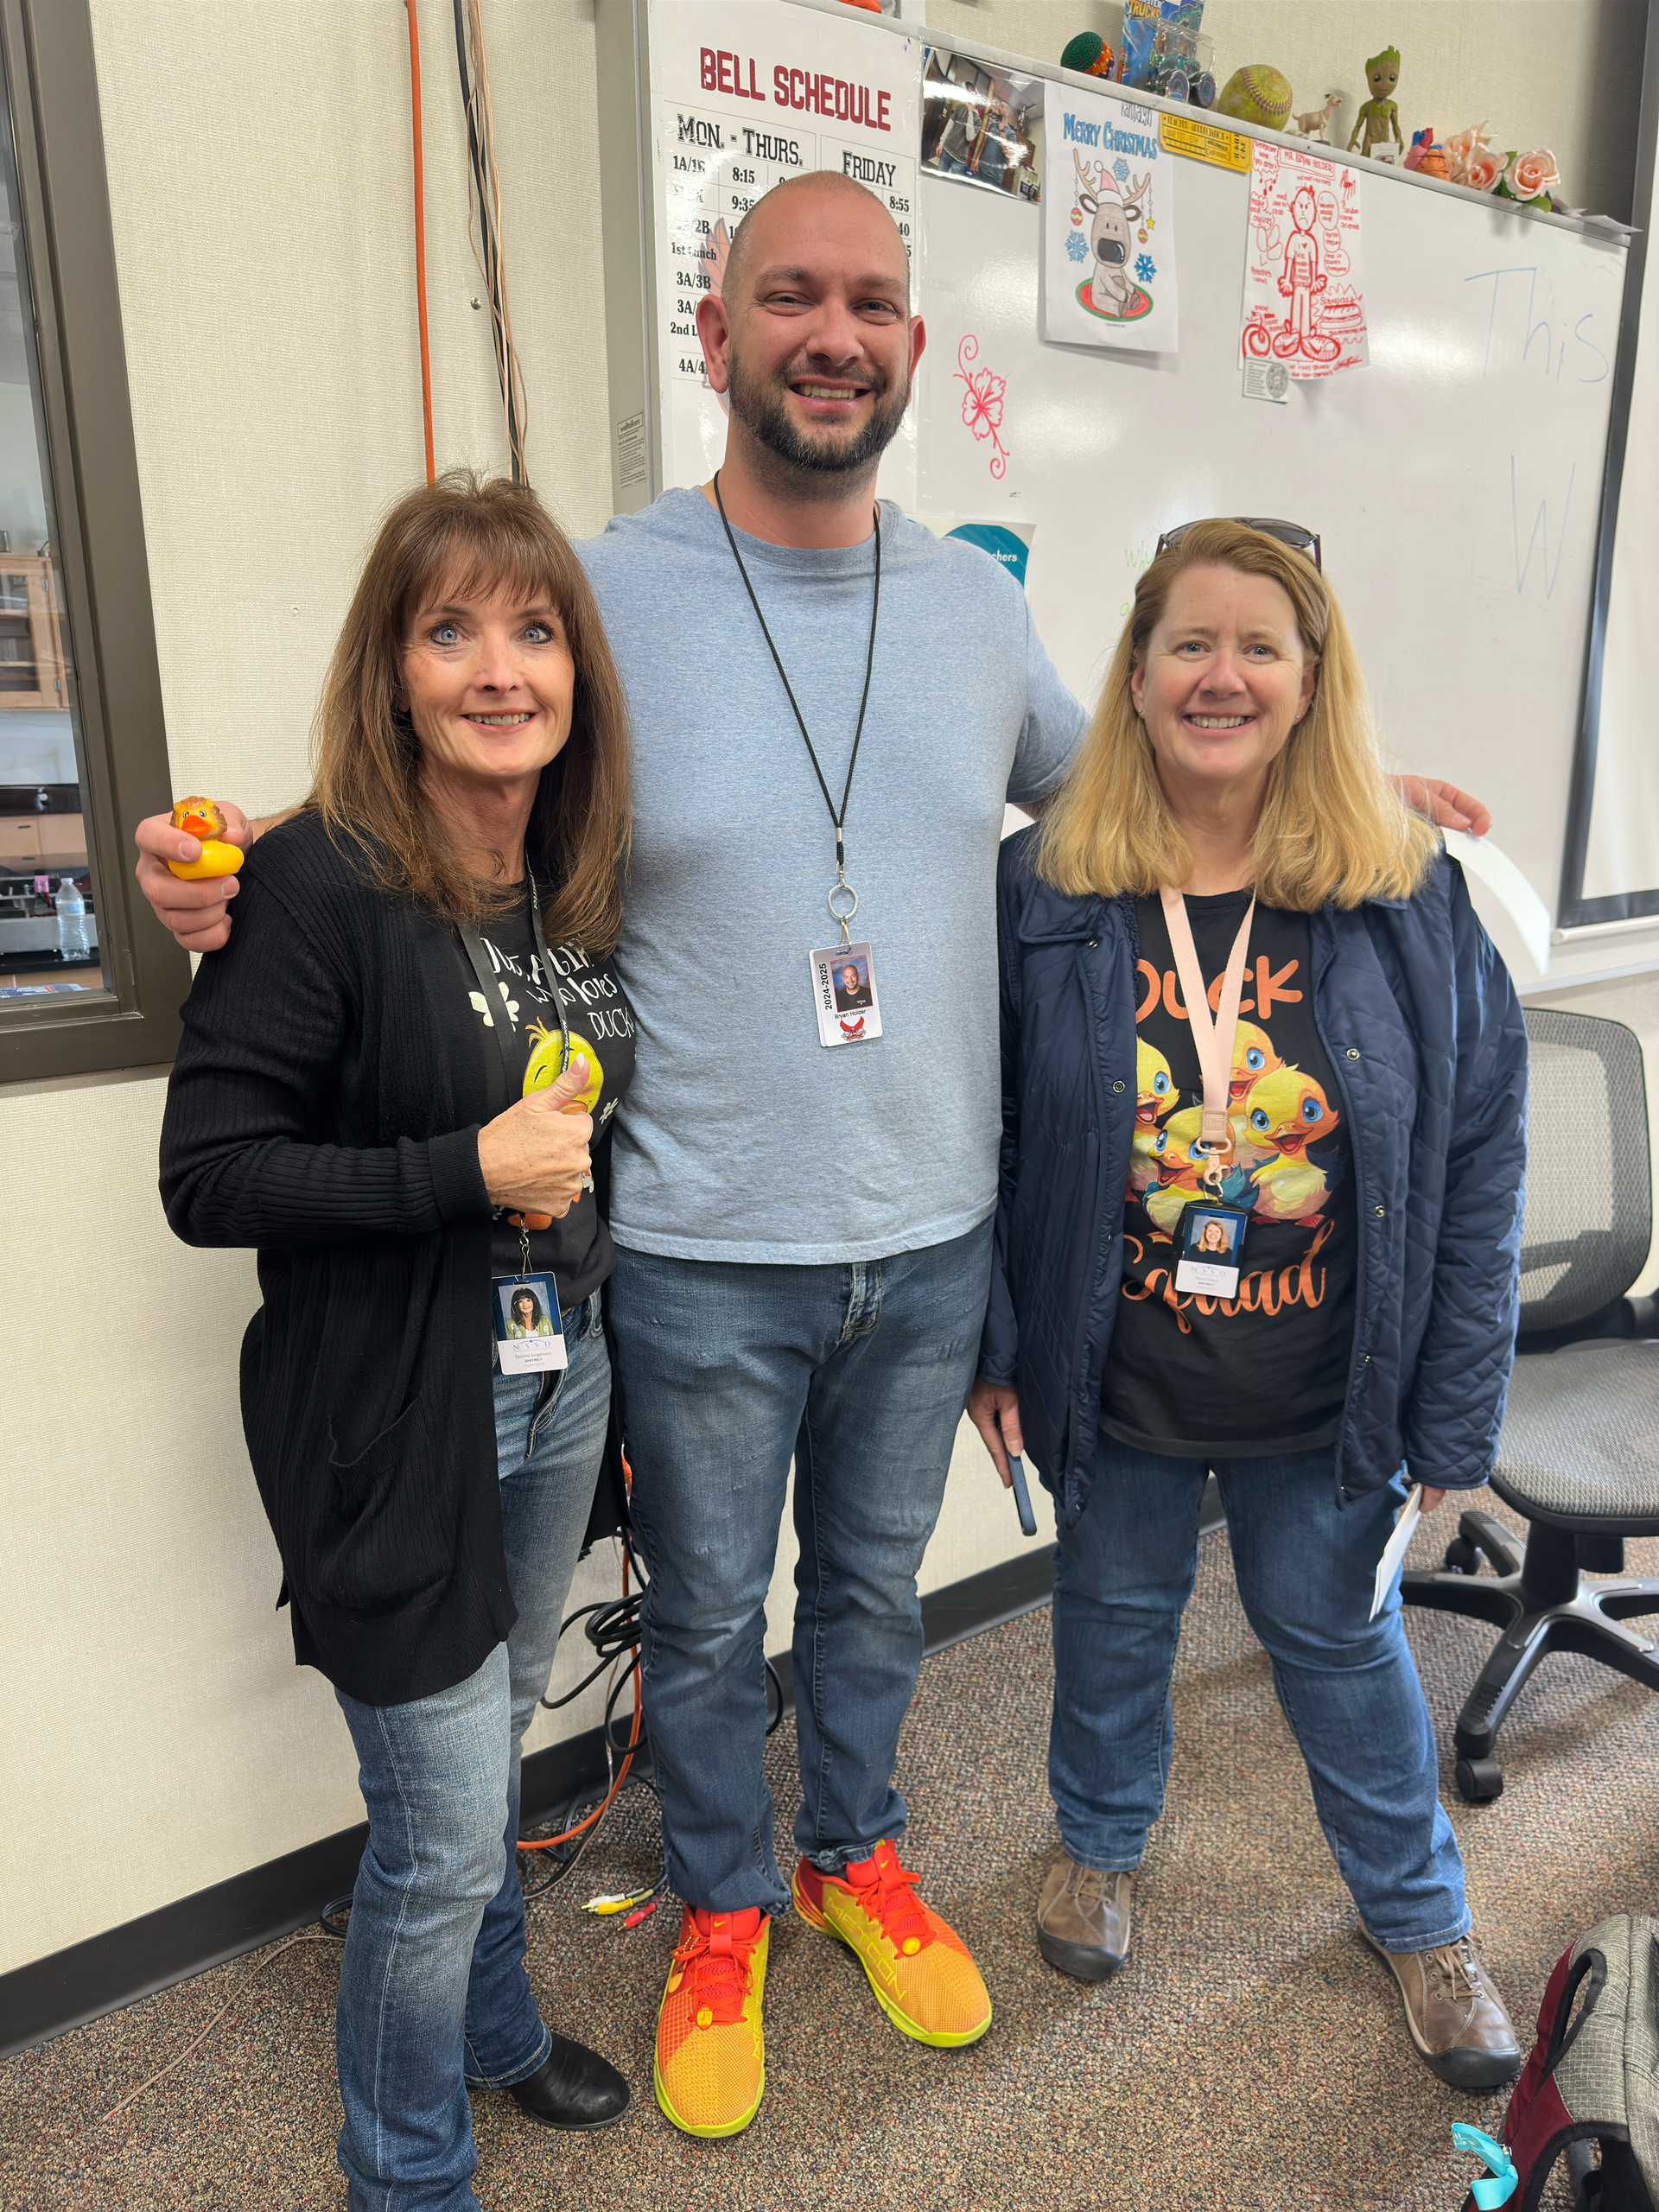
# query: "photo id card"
1212,1243
528,1335
843,992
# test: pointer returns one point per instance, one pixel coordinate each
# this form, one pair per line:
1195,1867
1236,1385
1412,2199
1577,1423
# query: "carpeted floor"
1250,2055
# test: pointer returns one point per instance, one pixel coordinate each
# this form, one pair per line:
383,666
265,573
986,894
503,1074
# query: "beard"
828,453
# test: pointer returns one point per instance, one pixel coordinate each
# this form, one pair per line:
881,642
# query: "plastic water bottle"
73,943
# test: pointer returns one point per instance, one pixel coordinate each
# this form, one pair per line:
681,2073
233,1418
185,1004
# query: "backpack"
1593,2074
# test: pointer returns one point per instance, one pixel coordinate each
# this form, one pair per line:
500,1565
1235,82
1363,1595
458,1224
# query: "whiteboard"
1455,481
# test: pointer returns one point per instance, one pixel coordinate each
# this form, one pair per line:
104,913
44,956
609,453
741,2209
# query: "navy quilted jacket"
1420,1020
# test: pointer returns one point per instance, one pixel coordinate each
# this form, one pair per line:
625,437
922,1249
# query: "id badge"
528,1339
1212,1246
843,995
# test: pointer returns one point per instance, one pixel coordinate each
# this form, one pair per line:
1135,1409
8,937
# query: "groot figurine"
1378,115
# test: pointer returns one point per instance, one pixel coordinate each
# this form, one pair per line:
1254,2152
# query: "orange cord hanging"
546,1843
420,232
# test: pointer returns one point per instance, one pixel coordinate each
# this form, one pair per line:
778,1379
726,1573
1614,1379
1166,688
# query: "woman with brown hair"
1263,1108
392,1081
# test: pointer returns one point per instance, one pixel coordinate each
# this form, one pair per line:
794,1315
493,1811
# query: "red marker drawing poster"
1304,304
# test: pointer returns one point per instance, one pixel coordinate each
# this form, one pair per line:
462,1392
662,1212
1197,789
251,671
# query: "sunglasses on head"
1289,533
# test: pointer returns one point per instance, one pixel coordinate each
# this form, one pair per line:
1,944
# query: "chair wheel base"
1478,1781
1462,1557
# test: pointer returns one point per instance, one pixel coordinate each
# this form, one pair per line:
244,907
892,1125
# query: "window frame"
67,252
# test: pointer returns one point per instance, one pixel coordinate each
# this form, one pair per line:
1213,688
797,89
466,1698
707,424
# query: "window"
86,980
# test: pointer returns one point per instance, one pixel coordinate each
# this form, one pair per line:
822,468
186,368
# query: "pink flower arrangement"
1529,178
1463,147
1471,161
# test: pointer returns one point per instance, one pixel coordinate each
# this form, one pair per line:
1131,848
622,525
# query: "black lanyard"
495,1006
839,820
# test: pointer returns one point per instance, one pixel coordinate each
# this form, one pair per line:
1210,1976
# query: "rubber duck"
200,817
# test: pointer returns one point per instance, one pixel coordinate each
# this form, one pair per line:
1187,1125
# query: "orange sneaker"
923,1978
711,2052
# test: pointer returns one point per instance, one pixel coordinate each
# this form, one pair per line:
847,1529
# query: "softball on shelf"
1256,93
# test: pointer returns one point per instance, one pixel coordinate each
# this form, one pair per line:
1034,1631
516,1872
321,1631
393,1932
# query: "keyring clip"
836,913
1217,1158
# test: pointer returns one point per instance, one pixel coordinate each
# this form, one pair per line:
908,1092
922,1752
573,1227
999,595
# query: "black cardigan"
314,1114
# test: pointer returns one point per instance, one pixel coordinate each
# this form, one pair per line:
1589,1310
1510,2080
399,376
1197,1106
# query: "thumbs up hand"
534,1157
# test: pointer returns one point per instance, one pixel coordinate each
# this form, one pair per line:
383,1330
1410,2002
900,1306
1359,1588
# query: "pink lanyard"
1213,1038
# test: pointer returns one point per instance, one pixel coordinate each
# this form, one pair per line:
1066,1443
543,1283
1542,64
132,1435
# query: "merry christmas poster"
1109,225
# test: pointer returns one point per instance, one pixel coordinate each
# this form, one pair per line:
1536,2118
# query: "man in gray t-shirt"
743,1138
803,1231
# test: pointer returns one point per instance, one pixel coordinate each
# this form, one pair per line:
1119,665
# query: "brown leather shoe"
1454,2016
1083,1919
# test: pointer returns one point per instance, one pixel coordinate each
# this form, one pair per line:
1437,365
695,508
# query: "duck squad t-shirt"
1266,1371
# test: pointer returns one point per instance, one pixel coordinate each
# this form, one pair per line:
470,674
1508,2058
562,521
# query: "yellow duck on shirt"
1177,1168
1154,1094
1285,1111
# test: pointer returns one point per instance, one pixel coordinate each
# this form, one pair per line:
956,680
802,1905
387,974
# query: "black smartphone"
1021,1495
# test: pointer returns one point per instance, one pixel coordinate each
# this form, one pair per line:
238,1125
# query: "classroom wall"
258,162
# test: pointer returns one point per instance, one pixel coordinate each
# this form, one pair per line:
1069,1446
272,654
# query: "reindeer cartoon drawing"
1113,215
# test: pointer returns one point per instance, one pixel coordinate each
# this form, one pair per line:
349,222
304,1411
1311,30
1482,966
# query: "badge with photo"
1212,1245
843,992
528,1339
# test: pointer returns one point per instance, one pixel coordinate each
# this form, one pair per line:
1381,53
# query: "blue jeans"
433,1992
860,1370
1347,1684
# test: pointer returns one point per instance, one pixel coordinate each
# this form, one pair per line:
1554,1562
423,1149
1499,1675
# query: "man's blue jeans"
433,1992
861,1371
1347,1684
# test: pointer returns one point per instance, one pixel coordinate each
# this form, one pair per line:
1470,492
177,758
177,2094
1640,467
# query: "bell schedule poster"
744,97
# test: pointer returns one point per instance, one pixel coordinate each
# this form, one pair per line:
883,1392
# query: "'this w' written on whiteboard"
1303,302
1109,225
745,97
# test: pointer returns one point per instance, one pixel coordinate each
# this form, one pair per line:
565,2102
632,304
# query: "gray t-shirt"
743,1138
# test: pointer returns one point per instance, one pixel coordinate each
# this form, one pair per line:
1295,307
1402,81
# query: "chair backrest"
1589,1218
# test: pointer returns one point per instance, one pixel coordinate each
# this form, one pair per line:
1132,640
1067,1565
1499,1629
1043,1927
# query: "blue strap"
1499,2186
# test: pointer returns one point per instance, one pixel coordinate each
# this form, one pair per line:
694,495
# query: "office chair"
1579,1455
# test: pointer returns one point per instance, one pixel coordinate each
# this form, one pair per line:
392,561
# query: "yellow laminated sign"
1201,141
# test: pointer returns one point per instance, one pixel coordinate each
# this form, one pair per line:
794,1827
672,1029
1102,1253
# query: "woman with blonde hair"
393,1083
1242,986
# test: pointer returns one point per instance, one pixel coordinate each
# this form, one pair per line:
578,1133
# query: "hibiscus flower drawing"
1076,245
1146,269
982,406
